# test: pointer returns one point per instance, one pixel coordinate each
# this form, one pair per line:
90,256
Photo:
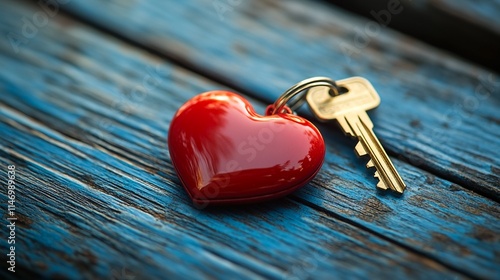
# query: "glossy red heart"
225,153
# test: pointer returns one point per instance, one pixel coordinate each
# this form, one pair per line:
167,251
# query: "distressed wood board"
98,197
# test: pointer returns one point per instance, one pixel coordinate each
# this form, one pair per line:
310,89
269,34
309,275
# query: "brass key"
349,110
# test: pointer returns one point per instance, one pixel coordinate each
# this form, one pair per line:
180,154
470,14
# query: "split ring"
294,101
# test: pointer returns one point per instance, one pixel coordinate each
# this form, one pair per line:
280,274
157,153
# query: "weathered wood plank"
96,175
435,108
84,198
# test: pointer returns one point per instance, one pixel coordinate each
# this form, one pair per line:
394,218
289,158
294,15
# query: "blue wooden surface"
98,197
434,93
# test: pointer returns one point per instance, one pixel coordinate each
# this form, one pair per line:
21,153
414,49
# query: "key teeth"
360,150
381,185
370,164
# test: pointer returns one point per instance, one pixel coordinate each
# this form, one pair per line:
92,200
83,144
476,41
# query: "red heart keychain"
225,153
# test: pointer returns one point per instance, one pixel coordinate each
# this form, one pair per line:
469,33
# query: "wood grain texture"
438,112
99,197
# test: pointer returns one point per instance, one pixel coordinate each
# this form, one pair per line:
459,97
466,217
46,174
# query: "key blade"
386,172
389,175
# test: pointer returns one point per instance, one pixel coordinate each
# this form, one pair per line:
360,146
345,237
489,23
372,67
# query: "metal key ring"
286,97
